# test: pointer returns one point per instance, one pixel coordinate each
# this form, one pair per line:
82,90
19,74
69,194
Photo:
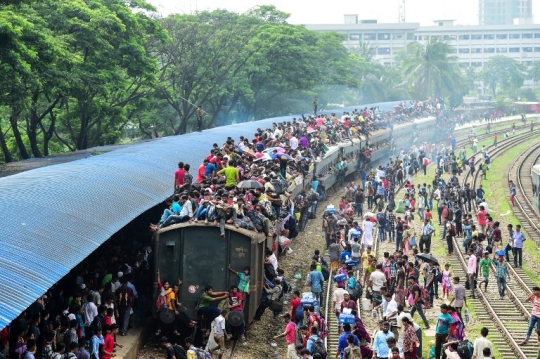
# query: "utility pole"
401,14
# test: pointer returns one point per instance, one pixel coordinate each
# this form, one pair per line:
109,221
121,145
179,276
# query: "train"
196,254
535,173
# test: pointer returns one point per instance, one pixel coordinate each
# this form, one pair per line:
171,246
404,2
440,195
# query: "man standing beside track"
290,336
517,246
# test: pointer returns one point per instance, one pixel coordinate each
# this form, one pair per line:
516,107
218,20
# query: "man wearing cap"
380,347
444,320
290,336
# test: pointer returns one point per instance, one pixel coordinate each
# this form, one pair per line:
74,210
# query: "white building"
473,45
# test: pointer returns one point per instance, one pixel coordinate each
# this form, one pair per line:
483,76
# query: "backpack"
269,271
199,353
452,231
97,324
381,218
318,347
424,295
356,292
313,196
285,288
280,186
325,273
323,328
267,210
257,219
123,298
465,349
161,302
179,352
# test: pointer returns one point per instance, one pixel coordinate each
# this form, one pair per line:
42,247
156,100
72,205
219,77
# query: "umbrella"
249,184
426,257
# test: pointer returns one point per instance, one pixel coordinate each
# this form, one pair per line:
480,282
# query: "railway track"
332,339
466,141
520,172
509,316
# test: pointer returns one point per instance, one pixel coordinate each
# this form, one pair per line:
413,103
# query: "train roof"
54,217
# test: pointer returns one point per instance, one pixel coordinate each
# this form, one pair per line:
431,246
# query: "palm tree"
431,70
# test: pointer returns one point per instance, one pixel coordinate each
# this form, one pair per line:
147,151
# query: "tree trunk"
17,134
33,125
5,149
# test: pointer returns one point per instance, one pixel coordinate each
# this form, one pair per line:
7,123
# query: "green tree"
534,72
505,74
431,70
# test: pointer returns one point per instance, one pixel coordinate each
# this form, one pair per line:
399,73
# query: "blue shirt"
210,167
315,185
443,323
176,208
379,344
312,339
315,279
342,343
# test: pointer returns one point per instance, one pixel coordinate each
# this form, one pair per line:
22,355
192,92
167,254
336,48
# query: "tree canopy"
75,74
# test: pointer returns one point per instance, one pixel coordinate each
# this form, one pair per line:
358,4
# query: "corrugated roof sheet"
53,217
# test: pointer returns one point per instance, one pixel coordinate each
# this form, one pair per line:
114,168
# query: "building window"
527,49
453,50
476,50
370,37
464,37
410,35
383,50
449,37
513,36
502,36
501,50
355,36
476,64
489,50
527,36
527,63
397,36
513,49
476,37
464,51
537,49
489,36
426,37
464,64
537,35
383,36
436,37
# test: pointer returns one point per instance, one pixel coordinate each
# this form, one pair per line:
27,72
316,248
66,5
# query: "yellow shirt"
365,261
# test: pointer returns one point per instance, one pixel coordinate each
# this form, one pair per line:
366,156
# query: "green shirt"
484,265
206,300
231,173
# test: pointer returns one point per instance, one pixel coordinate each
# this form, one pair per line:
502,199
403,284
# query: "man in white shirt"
481,343
220,333
339,297
293,142
391,310
377,280
90,310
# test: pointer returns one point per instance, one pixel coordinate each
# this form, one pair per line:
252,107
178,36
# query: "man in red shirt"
235,299
179,176
290,336
108,339
201,172
295,303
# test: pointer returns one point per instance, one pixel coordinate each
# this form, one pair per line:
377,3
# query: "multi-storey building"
503,12
472,45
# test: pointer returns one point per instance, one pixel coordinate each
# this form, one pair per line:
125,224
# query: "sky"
332,11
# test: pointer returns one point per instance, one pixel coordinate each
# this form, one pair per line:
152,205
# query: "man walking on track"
290,336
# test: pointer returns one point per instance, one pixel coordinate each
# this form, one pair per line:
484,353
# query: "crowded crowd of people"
243,183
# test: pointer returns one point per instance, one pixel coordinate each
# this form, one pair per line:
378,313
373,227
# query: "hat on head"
83,286
120,274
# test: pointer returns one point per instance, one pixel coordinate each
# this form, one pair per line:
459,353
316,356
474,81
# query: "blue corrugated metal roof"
54,217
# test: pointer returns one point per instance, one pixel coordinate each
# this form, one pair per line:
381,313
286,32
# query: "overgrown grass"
499,204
